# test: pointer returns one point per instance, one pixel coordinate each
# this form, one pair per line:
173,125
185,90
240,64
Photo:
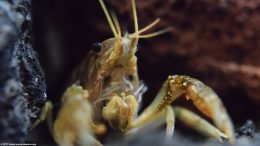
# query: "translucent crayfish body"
106,91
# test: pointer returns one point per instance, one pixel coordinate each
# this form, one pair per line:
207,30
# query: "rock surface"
22,81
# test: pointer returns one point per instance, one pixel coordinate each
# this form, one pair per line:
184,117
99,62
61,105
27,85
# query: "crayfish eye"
107,80
130,77
96,47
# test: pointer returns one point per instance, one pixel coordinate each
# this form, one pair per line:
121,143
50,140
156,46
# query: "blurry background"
217,42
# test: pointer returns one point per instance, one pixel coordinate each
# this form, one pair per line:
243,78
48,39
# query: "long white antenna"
135,17
108,18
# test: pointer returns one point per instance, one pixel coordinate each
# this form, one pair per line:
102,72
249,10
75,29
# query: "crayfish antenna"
111,24
116,22
115,26
137,34
149,26
135,17
168,29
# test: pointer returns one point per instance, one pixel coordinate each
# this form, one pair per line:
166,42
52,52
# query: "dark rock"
22,82
248,129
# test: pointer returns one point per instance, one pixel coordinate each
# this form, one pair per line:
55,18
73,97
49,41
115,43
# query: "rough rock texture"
22,82
248,129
